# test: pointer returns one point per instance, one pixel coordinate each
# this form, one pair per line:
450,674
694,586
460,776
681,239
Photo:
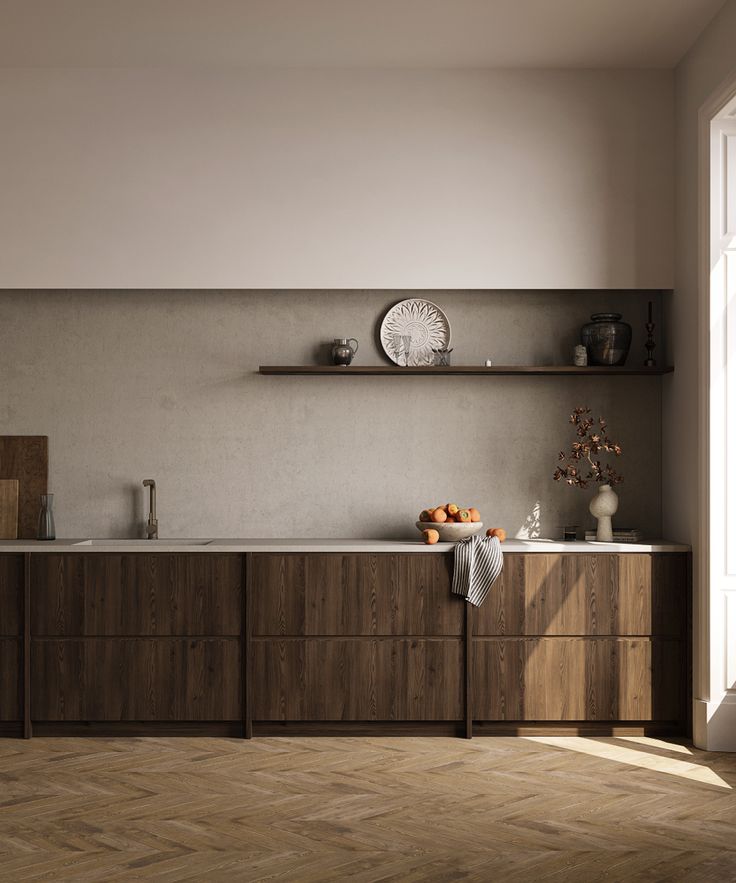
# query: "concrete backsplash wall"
163,384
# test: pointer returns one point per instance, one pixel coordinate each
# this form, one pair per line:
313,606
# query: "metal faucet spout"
152,523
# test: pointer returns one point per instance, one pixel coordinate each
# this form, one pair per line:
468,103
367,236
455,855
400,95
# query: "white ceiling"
375,33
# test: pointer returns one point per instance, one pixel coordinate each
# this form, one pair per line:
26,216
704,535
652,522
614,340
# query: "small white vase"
603,505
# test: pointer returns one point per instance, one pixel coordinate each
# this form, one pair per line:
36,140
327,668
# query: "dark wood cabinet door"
278,585
354,594
136,679
10,680
580,594
363,679
11,595
577,679
11,632
125,594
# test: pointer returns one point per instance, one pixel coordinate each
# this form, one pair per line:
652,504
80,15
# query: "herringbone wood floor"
171,809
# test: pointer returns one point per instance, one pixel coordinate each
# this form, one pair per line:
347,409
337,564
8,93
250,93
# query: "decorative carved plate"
420,320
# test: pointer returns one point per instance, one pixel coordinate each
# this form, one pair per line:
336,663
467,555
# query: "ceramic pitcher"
342,351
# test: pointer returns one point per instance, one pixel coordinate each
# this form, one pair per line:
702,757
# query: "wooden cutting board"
26,458
8,508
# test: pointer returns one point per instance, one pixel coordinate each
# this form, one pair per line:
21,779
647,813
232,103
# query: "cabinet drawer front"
574,594
11,594
119,679
363,679
10,681
136,594
354,594
564,679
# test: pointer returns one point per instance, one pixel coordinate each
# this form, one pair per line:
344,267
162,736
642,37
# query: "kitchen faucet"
152,525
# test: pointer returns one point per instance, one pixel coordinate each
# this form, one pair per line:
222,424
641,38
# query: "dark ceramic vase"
607,339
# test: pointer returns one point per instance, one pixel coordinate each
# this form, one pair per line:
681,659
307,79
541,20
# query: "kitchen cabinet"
583,638
354,594
355,637
136,637
358,679
578,639
586,594
577,679
351,641
136,679
97,594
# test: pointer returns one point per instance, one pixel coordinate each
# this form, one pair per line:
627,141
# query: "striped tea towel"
478,564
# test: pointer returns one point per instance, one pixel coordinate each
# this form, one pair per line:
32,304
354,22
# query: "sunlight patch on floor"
617,753
672,747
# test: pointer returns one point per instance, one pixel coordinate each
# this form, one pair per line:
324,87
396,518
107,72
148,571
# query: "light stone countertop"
320,545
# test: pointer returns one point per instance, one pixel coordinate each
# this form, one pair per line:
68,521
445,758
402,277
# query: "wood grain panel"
424,603
10,679
563,679
579,594
8,508
355,594
349,594
278,586
11,595
26,458
137,594
119,679
503,611
360,679
420,680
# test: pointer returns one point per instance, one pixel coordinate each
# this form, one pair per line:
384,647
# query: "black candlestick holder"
650,346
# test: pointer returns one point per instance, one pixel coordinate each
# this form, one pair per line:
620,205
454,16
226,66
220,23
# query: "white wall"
697,77
699,74
154,178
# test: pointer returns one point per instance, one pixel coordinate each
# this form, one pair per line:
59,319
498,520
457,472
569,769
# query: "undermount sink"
159,542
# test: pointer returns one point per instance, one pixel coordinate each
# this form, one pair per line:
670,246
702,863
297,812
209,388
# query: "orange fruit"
431,536
474,514
439,516
452,508
451,519
497,532
425,515
463,516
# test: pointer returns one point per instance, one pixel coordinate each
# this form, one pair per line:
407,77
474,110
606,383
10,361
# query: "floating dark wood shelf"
386,370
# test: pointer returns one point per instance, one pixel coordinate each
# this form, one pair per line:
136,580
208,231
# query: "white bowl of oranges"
451,523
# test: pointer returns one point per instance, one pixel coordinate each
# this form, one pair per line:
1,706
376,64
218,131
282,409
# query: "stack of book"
620,535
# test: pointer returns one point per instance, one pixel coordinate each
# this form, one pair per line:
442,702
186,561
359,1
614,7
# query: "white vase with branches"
582,465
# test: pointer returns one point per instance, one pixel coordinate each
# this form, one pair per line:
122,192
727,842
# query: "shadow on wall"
137,502
531,529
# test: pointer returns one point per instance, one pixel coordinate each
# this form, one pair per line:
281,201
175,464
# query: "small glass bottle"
46,526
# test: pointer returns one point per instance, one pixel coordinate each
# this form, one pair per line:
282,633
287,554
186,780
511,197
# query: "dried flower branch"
592,439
